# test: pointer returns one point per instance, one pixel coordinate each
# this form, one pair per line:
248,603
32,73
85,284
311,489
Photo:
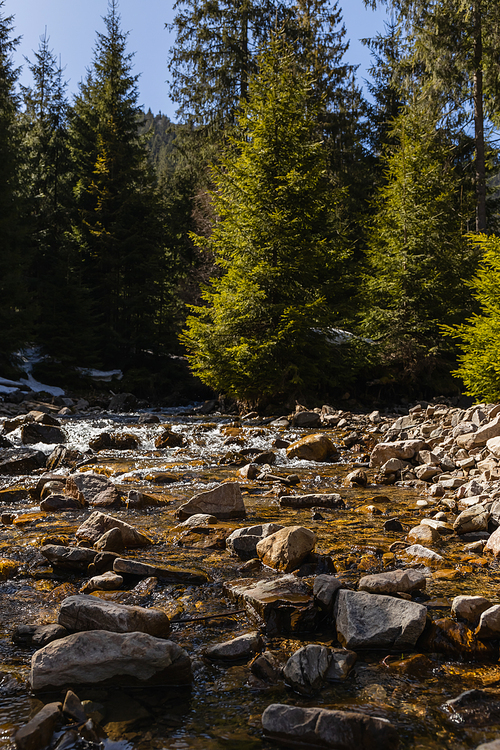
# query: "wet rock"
475,707
489,623
284,605
118,441
341,664
456,640
148,419
224,502
393,525
122,402
82,612
16,461
168,573
357,478
286,549
99,523
423,534
313,448
108,581
55,486
62,456
35,432
319,727
306,670
422,554
37,733
73,708
53,503
469,608
38,635
243,647
70,558
402,449
374,621
443,528
393,582
98,656
266,457
199,519
204,537
325,588
243,542
88,488
267,667
250,471
170,439
472,519
111,541
318,500
306,419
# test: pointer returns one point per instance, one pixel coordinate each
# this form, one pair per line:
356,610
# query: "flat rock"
99,523
38,635
17,461
168,573
317,447
286,549
321,728
318,500
243,647
82,612
224,502
423,554
71,558
393,582
99,656
60,502
374,621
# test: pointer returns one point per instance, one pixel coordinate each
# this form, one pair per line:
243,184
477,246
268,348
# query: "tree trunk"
480,168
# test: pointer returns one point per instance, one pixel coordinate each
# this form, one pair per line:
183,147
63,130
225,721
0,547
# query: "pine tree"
417,255
47,183
258,335
14,300
118,227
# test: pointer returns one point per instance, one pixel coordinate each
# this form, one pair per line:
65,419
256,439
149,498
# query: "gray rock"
109,581
82,612
199,519
306,419
324,589
402,449
88,487
286,549
318,727
110,541
224,502
472,519
98,656
318,500
341,664
38,635
99,523
56,502
377,621
71,558
469,608
15,461
35,432
168,573
305,671
393,582
38,732
243,542
266,667
489,623
243,647
423,534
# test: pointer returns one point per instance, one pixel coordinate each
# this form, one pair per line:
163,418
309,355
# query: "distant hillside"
160,134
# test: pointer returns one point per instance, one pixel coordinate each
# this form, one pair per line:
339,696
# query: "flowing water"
223,707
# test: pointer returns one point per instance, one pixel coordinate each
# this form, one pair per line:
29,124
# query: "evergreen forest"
288,237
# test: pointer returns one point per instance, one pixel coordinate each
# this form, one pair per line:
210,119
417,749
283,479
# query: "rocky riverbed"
203,580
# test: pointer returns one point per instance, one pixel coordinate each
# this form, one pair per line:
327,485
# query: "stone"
110,541
469,608
493,543
137,500
341,664
423,534
243,542
283,604
199,519
442,527
99,656
170,439
489,623
17,461
108,581
38,732
224,502
477,708
83,612
356,478
243,647
250,471
457,640
306,670
38,635
73,708
316,500
377,621
402,449
99,523
88,487
35,432
70,558
325,588
426,472
322,728
485,433
286,549
55,502
121,402
472,519
168,573
423,554
118,441
266,667
493,745
306,419
316,447
393,582
493,445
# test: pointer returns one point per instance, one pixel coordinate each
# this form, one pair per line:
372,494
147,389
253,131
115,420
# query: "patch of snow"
37,387
104,376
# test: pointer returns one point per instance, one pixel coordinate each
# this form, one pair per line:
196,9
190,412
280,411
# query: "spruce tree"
258,336
119,218
14,299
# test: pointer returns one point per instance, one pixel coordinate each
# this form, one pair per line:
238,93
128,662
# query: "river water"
223,707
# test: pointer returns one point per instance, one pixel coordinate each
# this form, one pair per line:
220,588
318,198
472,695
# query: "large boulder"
313,448
98,656
377,621
286,549
320,728
99,523
82,612
243,542
224,502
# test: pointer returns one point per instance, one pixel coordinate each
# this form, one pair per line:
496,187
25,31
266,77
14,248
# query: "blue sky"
72,25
